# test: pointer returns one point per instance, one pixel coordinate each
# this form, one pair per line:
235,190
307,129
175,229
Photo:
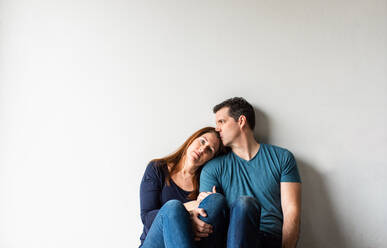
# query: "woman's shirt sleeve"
150,194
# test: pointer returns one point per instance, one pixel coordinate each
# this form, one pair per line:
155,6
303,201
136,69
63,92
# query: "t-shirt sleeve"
289,170
150,191
209,178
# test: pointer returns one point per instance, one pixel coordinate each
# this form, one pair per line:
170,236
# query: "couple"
249,197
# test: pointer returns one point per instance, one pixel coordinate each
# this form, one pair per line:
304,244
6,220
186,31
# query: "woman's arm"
191,205
150,191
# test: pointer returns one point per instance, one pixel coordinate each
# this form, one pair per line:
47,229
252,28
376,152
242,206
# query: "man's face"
227,127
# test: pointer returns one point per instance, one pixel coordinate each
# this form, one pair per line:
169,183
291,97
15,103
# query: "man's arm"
209,177
291,209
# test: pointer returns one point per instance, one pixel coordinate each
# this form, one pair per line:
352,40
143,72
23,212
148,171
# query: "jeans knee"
216,200
173,208
246,203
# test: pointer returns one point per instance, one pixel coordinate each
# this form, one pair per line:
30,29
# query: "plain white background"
90,91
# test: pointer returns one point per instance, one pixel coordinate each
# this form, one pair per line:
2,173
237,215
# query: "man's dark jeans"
243,230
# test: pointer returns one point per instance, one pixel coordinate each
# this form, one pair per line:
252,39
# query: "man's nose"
217,128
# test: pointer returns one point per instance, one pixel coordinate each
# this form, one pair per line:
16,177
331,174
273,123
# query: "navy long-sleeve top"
154,192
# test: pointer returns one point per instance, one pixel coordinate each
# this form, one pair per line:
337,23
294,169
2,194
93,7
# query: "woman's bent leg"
216,208
171,228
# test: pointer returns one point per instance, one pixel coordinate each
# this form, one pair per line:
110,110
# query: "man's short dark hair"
238,106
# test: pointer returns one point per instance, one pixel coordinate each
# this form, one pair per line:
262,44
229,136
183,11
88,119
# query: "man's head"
232,116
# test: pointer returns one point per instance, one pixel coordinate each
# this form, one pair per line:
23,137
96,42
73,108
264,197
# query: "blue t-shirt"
154,193
259,177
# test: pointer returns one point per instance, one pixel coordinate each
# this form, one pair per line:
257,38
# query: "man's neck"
246,146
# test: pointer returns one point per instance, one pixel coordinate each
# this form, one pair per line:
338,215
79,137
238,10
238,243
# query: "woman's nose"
202,148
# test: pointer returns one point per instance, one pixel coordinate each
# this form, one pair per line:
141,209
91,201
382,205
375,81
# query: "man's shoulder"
282,157
217,162
277,149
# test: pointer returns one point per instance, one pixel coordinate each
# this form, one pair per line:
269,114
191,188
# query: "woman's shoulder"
155,169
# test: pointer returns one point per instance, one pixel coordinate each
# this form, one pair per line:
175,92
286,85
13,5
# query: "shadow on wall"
262,127
319,225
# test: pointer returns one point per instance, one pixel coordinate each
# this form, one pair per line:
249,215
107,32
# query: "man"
261,182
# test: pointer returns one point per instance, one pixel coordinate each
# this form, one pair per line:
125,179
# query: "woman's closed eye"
209,150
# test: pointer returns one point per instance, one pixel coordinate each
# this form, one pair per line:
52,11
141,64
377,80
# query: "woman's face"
203,148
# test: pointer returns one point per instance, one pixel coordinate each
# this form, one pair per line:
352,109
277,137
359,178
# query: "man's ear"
242,121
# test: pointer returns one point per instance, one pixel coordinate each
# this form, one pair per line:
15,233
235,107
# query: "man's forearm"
290,232
291,209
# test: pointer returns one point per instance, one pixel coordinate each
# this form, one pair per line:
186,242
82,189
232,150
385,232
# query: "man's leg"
216,208
270,241
171,228
243,231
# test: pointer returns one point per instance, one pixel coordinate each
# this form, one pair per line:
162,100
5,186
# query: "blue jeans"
243,230
172,227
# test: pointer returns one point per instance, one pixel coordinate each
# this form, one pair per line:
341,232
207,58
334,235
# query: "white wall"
92,90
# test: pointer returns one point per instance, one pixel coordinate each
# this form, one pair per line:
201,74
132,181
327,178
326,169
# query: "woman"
168,193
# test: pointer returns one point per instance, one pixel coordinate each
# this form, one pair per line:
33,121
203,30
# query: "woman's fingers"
202,229
202,213
201,235
214,189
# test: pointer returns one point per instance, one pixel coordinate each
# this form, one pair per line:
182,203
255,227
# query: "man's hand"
201,229
203,195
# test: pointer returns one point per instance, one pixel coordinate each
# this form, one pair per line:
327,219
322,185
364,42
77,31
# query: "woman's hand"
203,195
201,229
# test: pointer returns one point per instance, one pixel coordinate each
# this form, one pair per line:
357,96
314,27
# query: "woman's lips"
196,154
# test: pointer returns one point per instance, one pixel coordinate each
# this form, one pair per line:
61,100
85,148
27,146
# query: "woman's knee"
173,208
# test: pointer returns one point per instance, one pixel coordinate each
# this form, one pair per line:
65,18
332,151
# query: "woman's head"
204,142
200,147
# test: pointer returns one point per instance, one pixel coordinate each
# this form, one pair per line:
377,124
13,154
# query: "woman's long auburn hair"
171,161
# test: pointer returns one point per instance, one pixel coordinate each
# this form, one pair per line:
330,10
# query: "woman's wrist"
191,205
